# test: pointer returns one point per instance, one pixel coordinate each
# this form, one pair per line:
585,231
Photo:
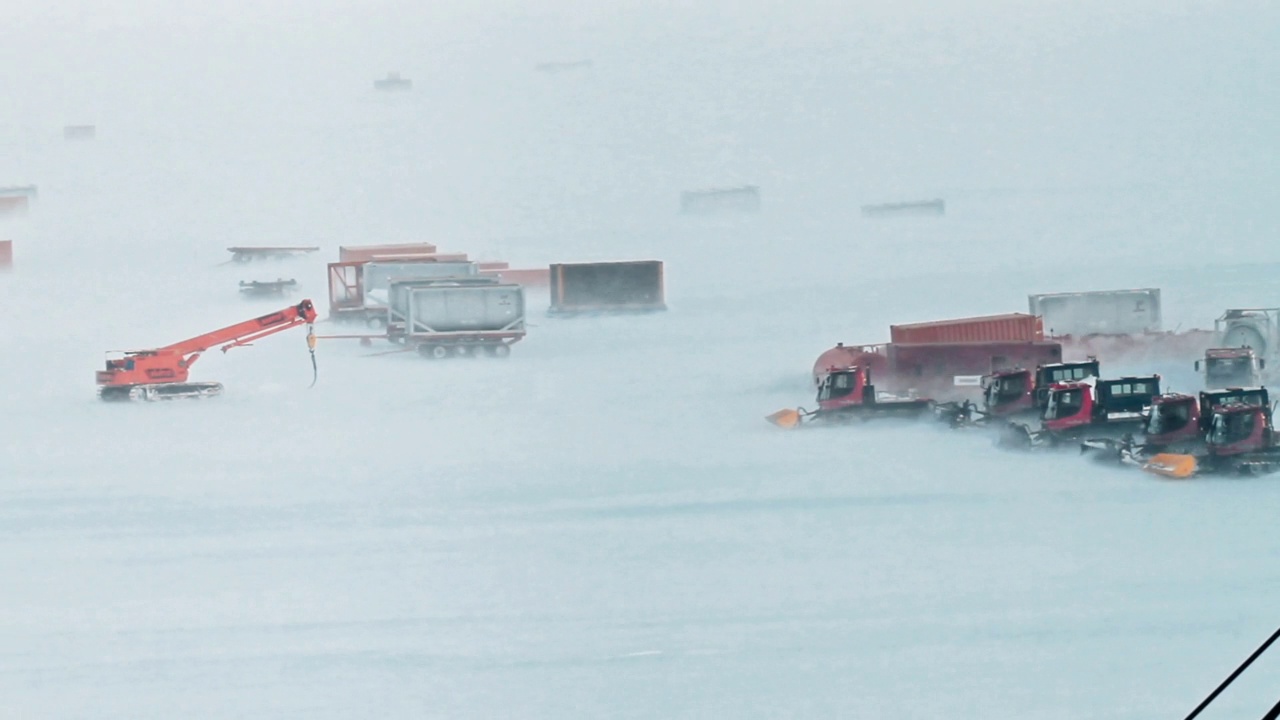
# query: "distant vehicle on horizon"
393,82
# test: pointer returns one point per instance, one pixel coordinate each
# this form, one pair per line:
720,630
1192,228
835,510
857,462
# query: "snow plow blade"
1171,465
785,418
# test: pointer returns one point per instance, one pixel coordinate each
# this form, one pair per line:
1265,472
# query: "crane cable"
311,346
1231,678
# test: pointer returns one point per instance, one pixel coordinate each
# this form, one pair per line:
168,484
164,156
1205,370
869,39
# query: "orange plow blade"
785,418
1171,465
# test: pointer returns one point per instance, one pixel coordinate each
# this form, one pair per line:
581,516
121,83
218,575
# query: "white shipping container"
1105,312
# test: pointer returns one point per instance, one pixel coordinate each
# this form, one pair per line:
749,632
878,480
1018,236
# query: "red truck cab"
1239,428
1178,419
1007,392
844,388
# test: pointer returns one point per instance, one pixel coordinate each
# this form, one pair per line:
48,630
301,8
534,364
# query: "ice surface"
603,525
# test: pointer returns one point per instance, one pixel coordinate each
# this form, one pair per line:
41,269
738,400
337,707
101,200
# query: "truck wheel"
500,350
435,352
460,350
376,323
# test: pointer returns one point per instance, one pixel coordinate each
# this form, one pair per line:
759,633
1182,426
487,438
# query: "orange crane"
161,374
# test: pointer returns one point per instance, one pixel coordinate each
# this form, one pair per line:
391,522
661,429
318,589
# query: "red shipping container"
356,253
1014,327
937,370
536,277
13,205
419,257
6,254
946,360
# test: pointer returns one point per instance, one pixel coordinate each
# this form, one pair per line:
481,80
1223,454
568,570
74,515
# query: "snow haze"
603,524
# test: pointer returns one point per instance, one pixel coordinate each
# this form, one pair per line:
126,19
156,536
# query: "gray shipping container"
607,286
469,305
1105,312
378,276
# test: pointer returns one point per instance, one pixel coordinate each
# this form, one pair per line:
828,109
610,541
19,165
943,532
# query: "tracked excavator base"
159,391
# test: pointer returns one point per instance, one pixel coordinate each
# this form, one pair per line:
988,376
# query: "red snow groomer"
1102,408
1180,423
847,395
1016,394
1241,440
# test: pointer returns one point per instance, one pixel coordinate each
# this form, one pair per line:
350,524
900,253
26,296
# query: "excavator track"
160,391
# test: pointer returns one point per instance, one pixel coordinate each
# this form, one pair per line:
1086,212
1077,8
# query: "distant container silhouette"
559,67
718,200
6,254
79,132
18,191
903,209
244,253
267,288
392,83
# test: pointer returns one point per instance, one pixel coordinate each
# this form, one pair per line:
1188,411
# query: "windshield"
837,385
1169,417
1231,428
1132,388
1067,374
1209,400
1227,367
1064,404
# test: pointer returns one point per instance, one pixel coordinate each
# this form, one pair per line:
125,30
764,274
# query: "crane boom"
162,373
246,332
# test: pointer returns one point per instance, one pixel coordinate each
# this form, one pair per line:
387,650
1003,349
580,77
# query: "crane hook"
311,346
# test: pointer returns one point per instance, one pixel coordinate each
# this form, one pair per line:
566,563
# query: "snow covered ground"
603,525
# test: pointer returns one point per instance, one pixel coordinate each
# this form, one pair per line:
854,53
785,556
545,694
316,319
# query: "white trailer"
456,316
1104,312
